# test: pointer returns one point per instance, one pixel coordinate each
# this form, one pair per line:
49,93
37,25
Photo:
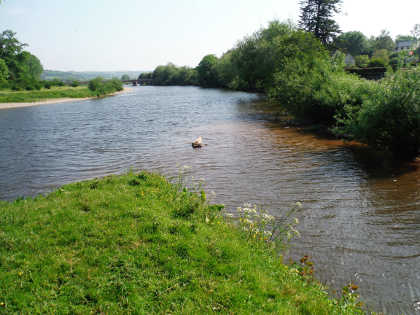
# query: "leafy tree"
4,71
125,77
31,65
207,72
316,17
354,43
384,41
4,74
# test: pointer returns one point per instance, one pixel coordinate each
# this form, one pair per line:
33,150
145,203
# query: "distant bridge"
139,82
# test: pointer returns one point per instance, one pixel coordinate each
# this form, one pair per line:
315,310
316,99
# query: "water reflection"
358,224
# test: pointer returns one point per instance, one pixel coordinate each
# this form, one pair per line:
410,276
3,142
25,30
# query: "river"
358,224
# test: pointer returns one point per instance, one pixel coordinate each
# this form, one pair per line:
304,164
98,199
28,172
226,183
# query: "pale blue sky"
89,35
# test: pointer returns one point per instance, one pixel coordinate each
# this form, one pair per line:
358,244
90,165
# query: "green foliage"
23,67
75,83
4,73
354,43
207,73
101,87
378,62
171,75
389,118
316,18
383,41
107,246
362,61
125,77
401,59
35,95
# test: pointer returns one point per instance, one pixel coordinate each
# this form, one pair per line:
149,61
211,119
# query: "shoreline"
56,100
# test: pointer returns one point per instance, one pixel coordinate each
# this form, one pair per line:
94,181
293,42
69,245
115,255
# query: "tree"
316,17
4,72
207,73
125,77
31,65
384,41
354,43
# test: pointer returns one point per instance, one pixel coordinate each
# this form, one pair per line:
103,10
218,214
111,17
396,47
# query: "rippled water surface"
358,225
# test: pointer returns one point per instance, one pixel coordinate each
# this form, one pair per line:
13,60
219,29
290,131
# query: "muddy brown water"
359,223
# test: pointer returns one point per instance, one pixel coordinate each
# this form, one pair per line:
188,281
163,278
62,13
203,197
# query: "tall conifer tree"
316,17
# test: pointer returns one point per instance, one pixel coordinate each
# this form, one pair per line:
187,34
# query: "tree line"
20,70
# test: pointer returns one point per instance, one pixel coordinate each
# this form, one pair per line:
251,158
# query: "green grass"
137,244
45,94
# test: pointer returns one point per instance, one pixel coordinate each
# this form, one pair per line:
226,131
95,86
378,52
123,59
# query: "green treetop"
316,17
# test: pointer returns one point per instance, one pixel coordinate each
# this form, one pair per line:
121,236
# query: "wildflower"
296,220
299,204
20,273
296,232
2,304
248,221
229,215
268,233
268,217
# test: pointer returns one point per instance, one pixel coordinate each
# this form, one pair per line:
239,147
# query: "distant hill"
88,75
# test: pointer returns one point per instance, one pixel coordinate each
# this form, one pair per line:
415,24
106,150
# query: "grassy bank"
45,94
136,244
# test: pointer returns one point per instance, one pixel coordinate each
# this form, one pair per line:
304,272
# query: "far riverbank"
9,105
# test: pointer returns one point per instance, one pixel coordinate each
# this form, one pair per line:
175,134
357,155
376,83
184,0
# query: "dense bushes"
171,75
389,117
102,87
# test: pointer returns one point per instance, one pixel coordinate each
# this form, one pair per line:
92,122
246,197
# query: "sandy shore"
55,100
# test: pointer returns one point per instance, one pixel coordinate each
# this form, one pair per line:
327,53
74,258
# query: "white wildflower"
268,217
299,204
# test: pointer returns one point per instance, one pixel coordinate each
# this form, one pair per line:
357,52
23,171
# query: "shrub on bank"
389,118
102,87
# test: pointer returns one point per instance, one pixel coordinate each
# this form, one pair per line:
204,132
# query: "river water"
359,224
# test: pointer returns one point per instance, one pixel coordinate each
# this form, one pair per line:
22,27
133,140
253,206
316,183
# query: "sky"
105,35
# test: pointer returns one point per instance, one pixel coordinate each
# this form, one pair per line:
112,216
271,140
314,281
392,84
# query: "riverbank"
136,243
41,98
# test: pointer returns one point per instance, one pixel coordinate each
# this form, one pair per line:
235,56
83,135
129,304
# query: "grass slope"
137,244
44,94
